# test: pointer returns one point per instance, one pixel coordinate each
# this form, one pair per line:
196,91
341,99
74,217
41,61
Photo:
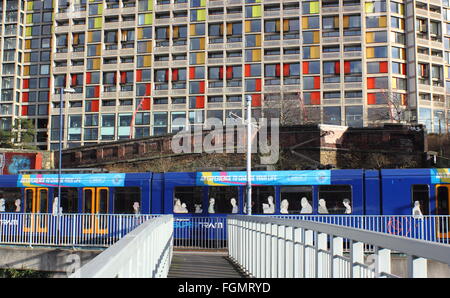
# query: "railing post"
281,231
268,249
289,252
321,256
417,267
357,257
337,251
274,251
308,254
299,251
382,261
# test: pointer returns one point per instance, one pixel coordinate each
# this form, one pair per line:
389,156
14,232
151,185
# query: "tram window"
43,201
125,199
442,201
29,193
335,199
219,199
9,196
69,199
87,201
261,203
102,201
296,199
188,199
421,193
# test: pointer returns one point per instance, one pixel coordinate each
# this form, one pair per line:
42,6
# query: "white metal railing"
67,229
435,228
144,252
200,232
274,247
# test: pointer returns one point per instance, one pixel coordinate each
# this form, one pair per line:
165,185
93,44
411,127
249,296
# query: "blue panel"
372,193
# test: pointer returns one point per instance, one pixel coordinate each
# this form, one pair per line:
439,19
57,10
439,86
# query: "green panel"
256,11
201,15
314,8
148,19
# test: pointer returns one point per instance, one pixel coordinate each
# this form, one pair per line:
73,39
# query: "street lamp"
61,100
248,100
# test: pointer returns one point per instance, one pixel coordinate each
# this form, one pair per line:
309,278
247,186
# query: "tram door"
442,208
36,203
95,202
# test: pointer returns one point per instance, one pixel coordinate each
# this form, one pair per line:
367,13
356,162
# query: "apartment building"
150,67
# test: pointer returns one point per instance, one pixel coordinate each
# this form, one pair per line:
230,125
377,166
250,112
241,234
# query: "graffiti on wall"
12,163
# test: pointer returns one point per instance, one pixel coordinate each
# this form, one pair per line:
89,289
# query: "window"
127,200
296,199
69,199
262,200
420,193
335,199
220,198
10,196
188,200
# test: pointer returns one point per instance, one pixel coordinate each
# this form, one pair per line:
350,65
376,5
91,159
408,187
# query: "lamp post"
61,100
248,100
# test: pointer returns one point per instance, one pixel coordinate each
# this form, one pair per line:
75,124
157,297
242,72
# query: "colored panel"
371,98
384,67
199,102
286,70
314,52
314,7
98,22
256,11
95,106
256,100
382,21
305,67
370,37
248,71
308,177
201,15
316,82
256,55
315,98
370,52
258,85
371,83
148,19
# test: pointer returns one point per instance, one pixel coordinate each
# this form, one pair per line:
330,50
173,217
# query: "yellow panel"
346,21
201,15
314,52
147,60
26,57
229,29
314,7
30,5
382,21
285,25
370,52
258,40
394,83
247,26
336,22
370,36
305,23
200,58
98,22
192,29
29,18
202,43
26,70
28,44
96,64
98,50
316,37
369,7
28,31
256,11
256,55
140,33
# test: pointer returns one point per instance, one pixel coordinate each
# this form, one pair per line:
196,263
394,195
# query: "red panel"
384,67
26,84
148,89
202,87
256,100
258,85
286,70
229,72
371,98
199,102
175,75
404,68
248,70
278,70
123,77
25,96
73,81
371,83
346,67
315,98
146,104
138,75
88,78
167,75
337,67
192,72
95,106
316,82
221,72
24,110
97,91
305,67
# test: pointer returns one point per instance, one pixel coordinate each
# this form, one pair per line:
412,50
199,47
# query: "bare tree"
289,108
392,108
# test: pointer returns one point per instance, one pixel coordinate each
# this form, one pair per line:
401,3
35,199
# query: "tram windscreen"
125,199
10,195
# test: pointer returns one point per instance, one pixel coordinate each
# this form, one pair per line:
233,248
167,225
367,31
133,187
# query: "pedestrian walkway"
202,265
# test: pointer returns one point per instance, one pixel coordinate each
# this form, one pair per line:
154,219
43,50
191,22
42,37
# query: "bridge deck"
202,265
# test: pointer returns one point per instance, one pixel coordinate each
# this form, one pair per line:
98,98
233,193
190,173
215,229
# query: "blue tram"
366,192
191,195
